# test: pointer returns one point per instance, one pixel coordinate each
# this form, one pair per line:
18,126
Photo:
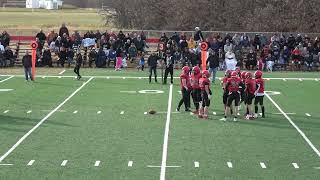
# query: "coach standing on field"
27,64
152,63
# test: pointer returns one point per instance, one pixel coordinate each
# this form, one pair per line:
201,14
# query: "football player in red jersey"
206,93
185,89
242,93
249,91
227,75
233,85
259,93
196,91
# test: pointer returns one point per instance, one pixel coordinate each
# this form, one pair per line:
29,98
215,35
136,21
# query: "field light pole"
204,47
34,46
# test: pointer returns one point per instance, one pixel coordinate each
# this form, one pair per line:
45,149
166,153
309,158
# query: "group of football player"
238,88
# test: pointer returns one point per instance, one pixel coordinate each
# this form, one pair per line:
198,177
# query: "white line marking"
43,77
122,112
300,79
139,77
229,164
129,92
268,79
284,80
316,79
97,163
6,111
108,77
191,113
99,112
130,163
124,78
30,163
295,126
263,166
75,112
214,113
285,113
6,79
316,167
28,112
166,138
42,121
64,162
196,164
145,113
307,114
59,77
62,72
151,166
6,164
295,165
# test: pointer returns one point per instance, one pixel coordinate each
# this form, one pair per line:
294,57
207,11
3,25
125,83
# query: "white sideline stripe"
284,79
97,163
42,121
6,111
99,112
295,126
64,162
59,77
286,113
151,166
263,166
196,164
316,79
295,165
124,78
62,72
30,163
6,164
166,138
28,112
122,112
130,163
6,79
129,92
307,114
316,167
229,164
145,113
214,113
139,77
300,79
75,112
135,77
43,77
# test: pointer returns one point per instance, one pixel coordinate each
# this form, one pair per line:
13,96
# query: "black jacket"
213,61
153,61
27,61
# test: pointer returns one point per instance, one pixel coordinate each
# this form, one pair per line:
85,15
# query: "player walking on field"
78,64
206,93
196,91
249,91
185,89
259,93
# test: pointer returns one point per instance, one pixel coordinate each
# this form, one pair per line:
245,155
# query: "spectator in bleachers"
164,38
245,40
8,56
183,36
270,62
236,41
296,57
213,62
5,39
175,37
76,38
51,37
132,52
101,59
192,43
299,39
251,63
308,60
140,44
198,37
2,59
42,37
143,36
63,30
46,57
111,56
228,46
286,55
121,36
263,40
256,42
92,56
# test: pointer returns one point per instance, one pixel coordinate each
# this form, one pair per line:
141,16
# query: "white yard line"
307,114
295,126
30,111
6,79
6,111
196,164
263,166
285,113
99,112
62,72
64,162
41,122
6,164
97,163
75,112
130,163
122,112
166,138
30,163
295,165
145,113
214,113
135,77
230,164
151,166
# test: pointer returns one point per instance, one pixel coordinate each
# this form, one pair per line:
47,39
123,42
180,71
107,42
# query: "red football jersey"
195,81
203,82
260,87
251,86
233,84
187,78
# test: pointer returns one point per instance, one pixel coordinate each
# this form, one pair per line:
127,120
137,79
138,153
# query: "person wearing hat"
78,64
169,62
27,64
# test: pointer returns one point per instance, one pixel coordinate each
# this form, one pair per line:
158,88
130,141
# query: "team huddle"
238,87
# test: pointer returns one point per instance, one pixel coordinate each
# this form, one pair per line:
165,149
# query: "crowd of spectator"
278,52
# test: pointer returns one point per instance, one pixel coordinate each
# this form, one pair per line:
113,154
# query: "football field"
99,128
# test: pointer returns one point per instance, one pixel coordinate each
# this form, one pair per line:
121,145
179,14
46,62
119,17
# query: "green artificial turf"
113,138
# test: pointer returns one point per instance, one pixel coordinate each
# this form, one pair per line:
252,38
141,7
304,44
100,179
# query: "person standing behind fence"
27,64
152,63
